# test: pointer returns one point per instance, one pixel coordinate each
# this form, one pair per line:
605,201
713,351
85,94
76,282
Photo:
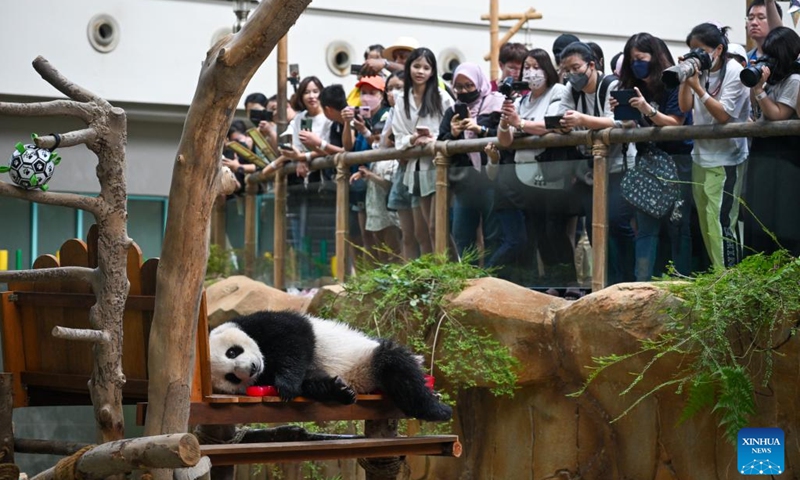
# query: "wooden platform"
443,445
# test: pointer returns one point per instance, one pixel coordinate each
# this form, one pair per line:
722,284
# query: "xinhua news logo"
760,451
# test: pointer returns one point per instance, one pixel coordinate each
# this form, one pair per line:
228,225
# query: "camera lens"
750,76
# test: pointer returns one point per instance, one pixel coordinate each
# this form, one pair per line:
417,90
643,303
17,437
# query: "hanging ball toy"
32,167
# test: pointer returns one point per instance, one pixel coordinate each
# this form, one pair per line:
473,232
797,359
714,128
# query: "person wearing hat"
394,57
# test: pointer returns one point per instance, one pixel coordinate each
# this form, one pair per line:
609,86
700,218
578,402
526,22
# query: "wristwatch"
653,112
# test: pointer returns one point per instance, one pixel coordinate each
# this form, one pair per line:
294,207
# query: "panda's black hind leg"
329,389
400,376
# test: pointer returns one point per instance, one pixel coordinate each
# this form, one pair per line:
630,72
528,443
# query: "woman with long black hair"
644,58
774,167
717,96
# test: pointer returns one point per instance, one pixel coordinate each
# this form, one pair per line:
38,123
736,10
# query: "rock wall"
543,434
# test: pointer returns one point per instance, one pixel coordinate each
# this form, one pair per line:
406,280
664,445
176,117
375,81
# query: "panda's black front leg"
329,389
289,382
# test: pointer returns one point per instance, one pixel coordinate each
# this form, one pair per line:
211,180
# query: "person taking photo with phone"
476,115
417,115
644,58
717,96
773,172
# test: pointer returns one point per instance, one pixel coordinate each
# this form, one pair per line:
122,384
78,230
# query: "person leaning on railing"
717,97
773,174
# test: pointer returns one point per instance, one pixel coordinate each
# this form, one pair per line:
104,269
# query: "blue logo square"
760,451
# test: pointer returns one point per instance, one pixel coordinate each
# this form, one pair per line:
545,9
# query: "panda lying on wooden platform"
320,359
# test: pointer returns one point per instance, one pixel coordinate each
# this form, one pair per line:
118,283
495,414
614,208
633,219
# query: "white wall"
163,41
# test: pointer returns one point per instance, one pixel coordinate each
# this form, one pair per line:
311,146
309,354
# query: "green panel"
56,225
15,233
145,225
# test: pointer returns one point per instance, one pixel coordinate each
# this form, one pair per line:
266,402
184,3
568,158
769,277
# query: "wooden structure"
51,371
495,44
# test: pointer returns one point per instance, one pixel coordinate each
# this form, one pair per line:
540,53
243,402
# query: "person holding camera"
714,95
476,115
774,167
535,204
644,58
416,118
587,106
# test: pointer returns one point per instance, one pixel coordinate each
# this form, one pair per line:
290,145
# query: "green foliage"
223,263
728,326
409,302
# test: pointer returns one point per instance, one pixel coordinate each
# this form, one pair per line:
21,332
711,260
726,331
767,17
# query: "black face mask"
469,97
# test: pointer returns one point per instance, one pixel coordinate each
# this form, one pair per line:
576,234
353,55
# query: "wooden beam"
6,414
530,15
442,234
342,217
494,46
279,235
600,215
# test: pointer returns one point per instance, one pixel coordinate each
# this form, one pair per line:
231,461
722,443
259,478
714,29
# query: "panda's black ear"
234,351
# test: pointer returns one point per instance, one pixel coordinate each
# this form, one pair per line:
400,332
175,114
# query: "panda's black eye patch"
234,351
233,378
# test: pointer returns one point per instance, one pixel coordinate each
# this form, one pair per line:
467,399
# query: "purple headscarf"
488,102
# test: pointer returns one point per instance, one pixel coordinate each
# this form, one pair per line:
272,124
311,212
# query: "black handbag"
652,185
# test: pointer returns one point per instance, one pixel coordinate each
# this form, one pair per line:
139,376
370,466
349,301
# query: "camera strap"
718,88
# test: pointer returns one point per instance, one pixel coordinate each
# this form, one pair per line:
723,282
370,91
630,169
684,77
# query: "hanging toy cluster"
32,167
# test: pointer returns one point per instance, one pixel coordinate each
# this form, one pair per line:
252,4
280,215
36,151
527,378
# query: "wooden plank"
201,379
134,351
91,244
78,300
77,383
231,413
79,357
39,322
13,346
442,445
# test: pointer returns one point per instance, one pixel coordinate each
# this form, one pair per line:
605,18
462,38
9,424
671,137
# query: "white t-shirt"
586,106
735,99
535,109
784,92
378,216
320,125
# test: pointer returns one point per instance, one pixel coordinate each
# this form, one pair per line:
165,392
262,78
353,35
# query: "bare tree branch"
62,83
71,200
227,181
82,274
81,334
70,139
67,108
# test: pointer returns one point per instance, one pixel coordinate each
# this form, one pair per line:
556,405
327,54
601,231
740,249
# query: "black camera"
697,60
509,87
751,75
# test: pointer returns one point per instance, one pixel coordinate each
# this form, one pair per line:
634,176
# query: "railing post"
342,215
250,189
442,234
600,211
218,222
283,54
279,236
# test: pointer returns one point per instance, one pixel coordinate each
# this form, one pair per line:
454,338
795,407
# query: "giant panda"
320,359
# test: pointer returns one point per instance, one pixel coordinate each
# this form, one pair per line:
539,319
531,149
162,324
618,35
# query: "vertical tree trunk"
225,74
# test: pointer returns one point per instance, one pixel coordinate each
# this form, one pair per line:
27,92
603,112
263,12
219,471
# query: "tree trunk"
225,74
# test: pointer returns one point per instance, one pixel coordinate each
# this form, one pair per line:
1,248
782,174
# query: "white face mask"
535,77
394,92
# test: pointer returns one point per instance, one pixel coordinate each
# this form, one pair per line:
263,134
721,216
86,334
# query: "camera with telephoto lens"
752,74
509,87
695,61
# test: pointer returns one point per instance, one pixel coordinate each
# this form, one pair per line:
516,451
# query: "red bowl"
429,381
262,391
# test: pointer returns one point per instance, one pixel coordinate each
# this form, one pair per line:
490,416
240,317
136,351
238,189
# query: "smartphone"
461,110
256,116
363,111
553,122
306,123
294,70
285,146
423,131
624,111
355,69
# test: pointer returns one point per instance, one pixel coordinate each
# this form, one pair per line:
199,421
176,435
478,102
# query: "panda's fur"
321,359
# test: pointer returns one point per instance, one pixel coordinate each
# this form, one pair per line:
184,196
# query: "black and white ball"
31,167
320,359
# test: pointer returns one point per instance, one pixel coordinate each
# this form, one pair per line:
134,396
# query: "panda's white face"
236,360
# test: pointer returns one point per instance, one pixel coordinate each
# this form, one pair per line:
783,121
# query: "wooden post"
6,415
279,255
494,48
342,216
522,19
600,215
283,66
380,468
251,190
442,233
218,222
214,434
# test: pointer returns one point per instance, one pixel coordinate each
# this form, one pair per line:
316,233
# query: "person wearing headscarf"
473,193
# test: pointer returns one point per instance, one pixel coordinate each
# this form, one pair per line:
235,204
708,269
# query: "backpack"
602,94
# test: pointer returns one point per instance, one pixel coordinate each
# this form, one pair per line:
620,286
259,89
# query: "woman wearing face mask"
417,115
773,172
583,108
644,58
473,198
544,211
414,231
717,97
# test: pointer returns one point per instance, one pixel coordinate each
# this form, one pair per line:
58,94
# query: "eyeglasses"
464,87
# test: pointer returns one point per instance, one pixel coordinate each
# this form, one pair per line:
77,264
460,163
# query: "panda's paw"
287,392
342,392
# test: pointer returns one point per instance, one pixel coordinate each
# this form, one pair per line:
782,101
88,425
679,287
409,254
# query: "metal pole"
342,216
600,213
494,28
441,161
279,236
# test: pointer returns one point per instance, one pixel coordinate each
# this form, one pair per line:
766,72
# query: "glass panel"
56,225
15,236
145,224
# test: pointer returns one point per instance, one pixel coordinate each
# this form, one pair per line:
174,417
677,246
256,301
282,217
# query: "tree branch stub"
52,76
86,136
82,274
66,108
81,334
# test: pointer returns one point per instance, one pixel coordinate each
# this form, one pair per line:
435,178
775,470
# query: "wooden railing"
598,140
